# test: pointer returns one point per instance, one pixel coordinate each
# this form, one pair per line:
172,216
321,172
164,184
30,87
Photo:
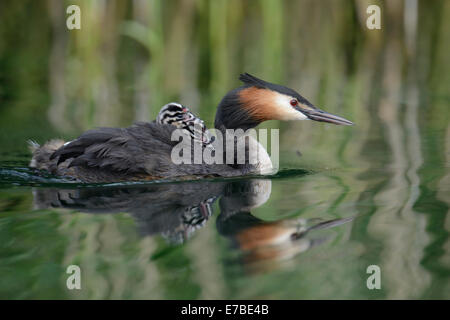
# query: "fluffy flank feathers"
33,145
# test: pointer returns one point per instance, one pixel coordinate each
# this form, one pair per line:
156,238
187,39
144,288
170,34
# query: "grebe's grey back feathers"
131,149
141,151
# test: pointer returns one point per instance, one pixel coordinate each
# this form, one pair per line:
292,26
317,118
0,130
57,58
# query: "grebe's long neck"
233,117
262,163
231,113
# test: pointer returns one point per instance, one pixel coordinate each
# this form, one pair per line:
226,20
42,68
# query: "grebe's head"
258,100
181,117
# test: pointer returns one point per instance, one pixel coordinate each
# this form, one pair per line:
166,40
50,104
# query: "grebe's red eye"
294,102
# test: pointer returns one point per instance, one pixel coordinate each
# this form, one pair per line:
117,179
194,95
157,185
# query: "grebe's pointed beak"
322,116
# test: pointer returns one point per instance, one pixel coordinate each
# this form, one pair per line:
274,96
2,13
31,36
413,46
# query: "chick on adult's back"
140,152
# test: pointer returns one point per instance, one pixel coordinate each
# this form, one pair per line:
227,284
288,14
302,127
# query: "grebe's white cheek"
285,111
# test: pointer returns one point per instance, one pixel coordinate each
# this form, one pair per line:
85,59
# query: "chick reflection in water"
177,211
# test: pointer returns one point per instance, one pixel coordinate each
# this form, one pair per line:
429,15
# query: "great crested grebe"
143,151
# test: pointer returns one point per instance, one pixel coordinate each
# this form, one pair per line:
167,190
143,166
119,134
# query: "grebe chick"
182,118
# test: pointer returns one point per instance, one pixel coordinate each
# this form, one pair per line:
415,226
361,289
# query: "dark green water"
377,193
302,234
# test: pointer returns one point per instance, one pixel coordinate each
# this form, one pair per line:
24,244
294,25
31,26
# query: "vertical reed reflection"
130,57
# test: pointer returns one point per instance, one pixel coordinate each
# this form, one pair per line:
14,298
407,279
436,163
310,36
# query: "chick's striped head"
181,117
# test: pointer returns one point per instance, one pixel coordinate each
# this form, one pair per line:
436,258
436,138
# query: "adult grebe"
143,151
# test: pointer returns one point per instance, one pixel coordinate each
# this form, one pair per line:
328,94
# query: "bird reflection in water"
262,243
177,210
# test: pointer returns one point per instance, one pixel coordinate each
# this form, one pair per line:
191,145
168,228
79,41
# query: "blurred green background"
132,57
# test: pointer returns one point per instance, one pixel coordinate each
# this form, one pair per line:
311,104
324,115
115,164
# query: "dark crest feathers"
250,80
253,81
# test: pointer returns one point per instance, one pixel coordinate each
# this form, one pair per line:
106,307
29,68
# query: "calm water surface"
302,234
346,198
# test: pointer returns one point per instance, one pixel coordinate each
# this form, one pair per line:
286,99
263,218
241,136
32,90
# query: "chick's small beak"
319,115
